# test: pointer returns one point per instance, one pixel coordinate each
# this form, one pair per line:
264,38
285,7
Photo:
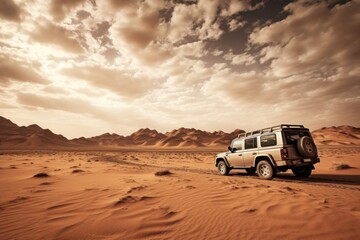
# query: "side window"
238,145
268,140
250,143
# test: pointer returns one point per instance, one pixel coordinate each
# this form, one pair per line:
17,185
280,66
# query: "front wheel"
223,169
265,170
304,171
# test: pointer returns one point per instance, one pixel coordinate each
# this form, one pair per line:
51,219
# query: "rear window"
268,140
291,137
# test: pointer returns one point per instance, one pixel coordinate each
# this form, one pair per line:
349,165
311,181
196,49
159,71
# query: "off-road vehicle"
271,150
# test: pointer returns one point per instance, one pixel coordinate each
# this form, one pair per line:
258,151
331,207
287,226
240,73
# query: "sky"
86,67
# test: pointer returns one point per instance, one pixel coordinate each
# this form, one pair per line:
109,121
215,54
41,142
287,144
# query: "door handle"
240,154
254,153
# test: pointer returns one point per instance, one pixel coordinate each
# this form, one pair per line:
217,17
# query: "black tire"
304,171
265,170
223,168
250,170
306,147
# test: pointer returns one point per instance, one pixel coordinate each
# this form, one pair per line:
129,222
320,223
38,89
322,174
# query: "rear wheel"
304,171
251,170
223,169
265,170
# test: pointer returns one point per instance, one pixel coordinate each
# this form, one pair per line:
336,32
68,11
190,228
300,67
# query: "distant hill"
30,137
182,137
341,135
33,136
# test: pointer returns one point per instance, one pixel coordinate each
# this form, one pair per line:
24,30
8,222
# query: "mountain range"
33,136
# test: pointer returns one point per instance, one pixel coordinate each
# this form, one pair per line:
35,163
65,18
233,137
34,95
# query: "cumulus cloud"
9,10
153,31
311,38
183,20
235,24
13,70
50,33
101,29
137,32
122,83
203,21
137,22
241,59
248,87
59,8
127,5
309,66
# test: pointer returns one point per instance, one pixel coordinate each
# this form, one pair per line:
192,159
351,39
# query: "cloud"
50,33
241,59
114,80
311,38
137,22
137,37
68,104
101,29
308,66
196,20
262,88
145,33
232,7
235,24
248,87
59,8
166,64
183,21
9,10
203,20
13,70
138,32
126,5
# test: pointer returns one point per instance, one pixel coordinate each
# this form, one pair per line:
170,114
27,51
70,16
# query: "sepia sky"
86,67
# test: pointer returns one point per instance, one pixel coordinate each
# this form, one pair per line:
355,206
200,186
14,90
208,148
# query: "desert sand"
173,194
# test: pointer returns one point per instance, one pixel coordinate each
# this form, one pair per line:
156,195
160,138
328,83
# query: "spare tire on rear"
306,147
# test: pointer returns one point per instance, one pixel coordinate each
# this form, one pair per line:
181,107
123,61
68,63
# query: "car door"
235,156
250,151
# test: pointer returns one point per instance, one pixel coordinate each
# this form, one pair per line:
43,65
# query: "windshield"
291,137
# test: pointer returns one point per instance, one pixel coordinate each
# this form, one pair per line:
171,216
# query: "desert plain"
164,193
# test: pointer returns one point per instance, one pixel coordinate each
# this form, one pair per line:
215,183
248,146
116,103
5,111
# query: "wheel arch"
264,157
222,159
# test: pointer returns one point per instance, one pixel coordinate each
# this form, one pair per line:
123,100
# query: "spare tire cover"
306,147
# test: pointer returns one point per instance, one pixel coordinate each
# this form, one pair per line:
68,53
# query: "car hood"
223,154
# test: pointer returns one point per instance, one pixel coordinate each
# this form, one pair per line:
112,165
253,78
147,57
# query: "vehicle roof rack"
269,129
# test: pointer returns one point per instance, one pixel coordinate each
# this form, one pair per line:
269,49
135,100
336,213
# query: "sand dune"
341,135
117,195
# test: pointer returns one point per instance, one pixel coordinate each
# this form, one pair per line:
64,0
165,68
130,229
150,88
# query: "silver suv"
271,150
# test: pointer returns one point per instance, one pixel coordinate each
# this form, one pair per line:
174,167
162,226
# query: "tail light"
284,153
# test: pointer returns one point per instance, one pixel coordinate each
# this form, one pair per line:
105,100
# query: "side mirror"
230,149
